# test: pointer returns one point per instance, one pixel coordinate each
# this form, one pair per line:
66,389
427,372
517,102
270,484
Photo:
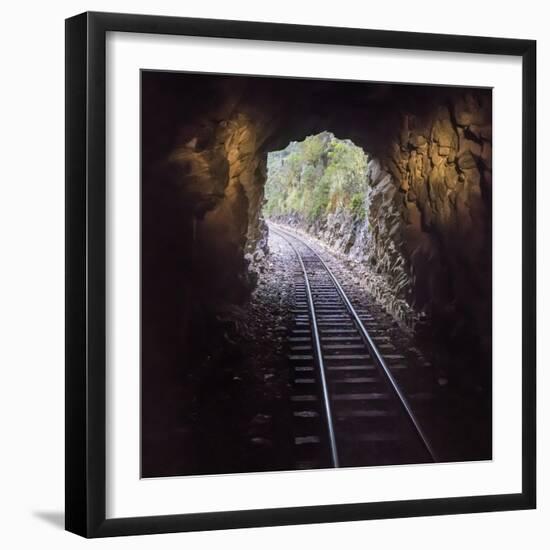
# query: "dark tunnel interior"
426,238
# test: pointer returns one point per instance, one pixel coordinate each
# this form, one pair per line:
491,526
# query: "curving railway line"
347,406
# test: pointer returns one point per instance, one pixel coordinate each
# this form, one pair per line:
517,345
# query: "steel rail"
372,347
319,357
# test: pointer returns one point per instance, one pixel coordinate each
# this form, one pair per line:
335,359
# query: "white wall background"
32,273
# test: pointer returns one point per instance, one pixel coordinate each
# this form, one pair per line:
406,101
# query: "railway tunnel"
426,237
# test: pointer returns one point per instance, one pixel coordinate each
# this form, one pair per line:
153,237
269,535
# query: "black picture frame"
86,273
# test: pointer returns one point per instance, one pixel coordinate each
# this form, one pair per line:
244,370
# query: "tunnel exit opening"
315,181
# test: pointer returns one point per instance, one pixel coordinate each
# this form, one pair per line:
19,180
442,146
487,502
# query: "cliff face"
427,227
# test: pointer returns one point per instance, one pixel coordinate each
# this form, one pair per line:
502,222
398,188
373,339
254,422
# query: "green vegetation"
315,177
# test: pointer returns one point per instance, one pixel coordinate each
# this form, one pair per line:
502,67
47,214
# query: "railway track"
348,409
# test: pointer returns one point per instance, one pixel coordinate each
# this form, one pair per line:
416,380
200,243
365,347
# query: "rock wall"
442,165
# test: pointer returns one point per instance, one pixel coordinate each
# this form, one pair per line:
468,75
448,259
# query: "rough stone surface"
234,414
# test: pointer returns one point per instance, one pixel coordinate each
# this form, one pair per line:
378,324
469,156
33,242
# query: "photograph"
316,273
273,275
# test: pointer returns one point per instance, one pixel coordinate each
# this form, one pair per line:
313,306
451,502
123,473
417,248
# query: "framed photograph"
300,280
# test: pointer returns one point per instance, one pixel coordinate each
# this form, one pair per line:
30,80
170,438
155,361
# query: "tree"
312,178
